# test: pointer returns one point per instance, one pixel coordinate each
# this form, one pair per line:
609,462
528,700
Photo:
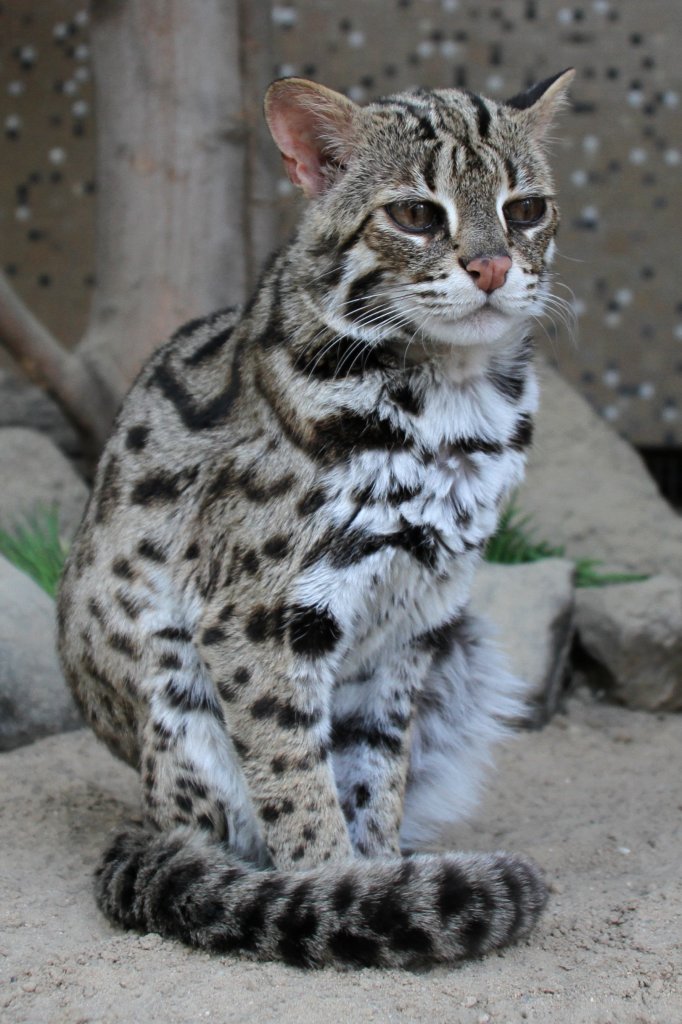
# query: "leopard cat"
265,608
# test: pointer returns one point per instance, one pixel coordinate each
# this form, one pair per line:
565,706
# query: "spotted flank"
265,611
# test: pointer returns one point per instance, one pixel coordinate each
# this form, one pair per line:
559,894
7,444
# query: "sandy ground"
596,798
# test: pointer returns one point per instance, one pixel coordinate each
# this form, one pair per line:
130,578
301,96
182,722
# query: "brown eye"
525,212
416,216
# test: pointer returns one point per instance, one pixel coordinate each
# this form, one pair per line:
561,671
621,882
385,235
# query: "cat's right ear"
312,127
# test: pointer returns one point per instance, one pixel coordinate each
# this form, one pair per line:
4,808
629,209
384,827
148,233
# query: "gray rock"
532,607
633,632
588,490
34,473
34,700
22,404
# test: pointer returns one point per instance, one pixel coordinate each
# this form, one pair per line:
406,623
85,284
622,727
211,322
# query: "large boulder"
632,633
35,474
587,489
34,700
531,606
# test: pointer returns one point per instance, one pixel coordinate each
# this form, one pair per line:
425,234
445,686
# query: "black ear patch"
526,99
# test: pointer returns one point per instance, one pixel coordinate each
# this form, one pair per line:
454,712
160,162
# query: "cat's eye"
525,212
417,216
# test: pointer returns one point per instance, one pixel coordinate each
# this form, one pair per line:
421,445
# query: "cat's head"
431,211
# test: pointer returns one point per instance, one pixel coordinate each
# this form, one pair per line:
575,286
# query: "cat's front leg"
372,723
277,712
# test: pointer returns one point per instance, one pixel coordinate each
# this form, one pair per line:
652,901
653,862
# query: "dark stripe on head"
482,114
430,166
512,174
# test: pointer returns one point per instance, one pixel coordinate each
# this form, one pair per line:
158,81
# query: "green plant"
36,548
515,542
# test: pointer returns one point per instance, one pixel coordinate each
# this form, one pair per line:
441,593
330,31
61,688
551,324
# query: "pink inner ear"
308,123
293,129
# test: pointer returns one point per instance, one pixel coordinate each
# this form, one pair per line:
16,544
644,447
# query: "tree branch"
45,362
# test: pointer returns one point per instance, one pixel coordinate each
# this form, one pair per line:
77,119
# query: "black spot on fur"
454,892
260,491
156,487
311,502
278,764
362,795
153,552
188,698
298,853
335,437
183,802
250,562
476,445
96,610
131,607
122,568
276,547
170,660
406,398
269,812
353,731
343,895
523,433
192,551
289,717
170,895
298,922
440,639
265,623
264,707
510,385
313,632
124,645
136,438
174,633
242,676
212,635
108,491
352,948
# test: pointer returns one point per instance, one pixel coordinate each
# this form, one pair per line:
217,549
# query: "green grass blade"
36,548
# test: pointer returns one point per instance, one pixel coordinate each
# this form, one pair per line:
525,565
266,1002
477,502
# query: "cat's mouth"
485,324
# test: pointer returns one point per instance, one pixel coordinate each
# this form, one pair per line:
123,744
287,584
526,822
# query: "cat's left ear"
313,129
542,101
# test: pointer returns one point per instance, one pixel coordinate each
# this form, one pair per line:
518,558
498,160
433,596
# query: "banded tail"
387,913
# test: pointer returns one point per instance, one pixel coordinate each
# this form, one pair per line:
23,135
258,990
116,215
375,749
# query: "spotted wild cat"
265,610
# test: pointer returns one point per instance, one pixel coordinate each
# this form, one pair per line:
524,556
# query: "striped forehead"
452,130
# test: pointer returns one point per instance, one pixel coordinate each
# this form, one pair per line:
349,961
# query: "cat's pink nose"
489,272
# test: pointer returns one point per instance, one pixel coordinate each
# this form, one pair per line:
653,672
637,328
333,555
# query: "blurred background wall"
618,156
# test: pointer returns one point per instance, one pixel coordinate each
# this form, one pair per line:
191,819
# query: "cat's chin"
484,326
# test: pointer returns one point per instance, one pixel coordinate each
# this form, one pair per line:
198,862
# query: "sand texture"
596,798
